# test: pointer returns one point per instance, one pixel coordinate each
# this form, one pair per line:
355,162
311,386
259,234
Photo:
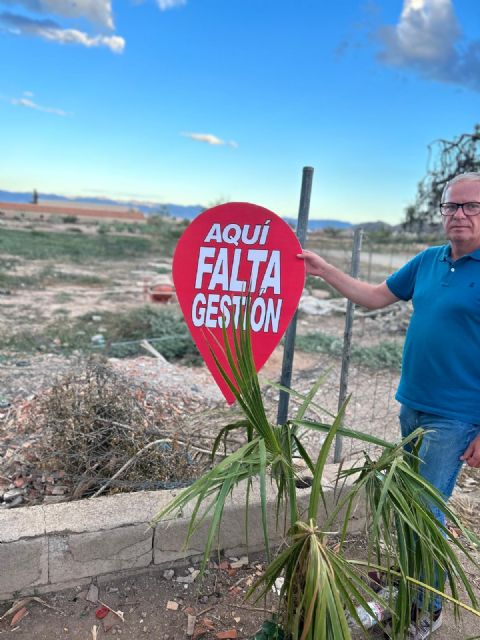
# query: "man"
439,387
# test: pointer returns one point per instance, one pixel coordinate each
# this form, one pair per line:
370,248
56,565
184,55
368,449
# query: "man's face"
460,228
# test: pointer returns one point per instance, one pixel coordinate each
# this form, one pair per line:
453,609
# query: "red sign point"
227,253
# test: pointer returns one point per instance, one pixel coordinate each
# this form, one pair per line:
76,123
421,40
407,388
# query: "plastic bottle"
381,612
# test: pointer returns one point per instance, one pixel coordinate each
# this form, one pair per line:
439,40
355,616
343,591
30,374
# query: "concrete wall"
52,547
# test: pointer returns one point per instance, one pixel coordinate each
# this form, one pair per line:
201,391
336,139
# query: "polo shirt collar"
446,253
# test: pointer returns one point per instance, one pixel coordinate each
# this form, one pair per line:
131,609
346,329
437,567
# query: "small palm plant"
322,587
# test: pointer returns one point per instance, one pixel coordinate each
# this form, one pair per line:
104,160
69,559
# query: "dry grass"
94,423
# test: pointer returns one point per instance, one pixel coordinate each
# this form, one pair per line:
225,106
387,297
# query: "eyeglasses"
468,208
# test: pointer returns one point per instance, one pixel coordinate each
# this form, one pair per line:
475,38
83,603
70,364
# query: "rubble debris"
92,594
238,564
21,613
188,579
118,613
191,620
227,635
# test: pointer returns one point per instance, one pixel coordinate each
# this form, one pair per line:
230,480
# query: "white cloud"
73,36
209,138
426,31
96,11
29,104
426,39
170,4
50,30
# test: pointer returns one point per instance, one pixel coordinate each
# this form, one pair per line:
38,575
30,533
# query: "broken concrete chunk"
188,579
238,564
92,595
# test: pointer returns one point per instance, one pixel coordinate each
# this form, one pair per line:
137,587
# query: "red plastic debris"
102,612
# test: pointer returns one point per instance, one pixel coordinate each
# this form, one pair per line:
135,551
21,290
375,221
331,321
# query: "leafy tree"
447,158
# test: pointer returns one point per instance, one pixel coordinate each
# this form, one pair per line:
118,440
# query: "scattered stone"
92,594
238,564
172,605
10,495
188,579
315,307
168,574
191,620
17,501
59,490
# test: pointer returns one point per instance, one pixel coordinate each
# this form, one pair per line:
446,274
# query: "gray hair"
469,176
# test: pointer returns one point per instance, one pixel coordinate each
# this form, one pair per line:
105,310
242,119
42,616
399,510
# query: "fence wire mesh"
377,339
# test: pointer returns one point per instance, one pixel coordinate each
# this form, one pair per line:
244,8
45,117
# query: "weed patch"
385,355
43,245
49,276
158,237
121,331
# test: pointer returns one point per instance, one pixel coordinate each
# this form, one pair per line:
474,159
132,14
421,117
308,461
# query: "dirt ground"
153,607
157,606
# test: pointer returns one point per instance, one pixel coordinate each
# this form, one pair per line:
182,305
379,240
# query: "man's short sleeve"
402,282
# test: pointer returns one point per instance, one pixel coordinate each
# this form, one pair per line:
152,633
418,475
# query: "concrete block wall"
52,547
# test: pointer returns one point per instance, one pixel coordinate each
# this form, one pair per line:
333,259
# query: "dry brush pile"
94,431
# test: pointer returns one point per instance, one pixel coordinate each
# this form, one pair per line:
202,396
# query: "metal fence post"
289,349
347,336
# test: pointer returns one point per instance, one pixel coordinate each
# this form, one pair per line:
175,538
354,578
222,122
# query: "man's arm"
368,295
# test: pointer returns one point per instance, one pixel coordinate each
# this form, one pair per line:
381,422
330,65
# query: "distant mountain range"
314,224
177,210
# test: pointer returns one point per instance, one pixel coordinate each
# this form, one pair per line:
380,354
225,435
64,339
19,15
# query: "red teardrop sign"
225,253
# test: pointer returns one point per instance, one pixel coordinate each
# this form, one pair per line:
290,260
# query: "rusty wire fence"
376,342
374,355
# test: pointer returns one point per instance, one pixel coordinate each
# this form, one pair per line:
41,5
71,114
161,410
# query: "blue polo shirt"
441,355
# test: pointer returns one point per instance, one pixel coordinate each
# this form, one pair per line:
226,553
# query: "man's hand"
472,454
314,263
372,296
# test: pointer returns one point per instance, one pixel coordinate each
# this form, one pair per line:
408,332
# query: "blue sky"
196,101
